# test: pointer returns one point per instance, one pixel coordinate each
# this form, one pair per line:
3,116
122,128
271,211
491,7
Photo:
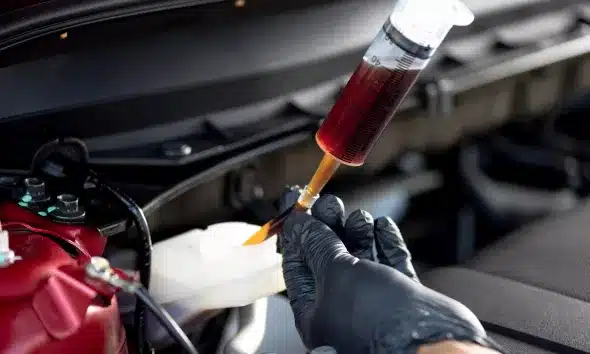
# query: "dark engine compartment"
205,116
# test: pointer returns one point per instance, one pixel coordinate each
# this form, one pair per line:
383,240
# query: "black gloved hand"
343,298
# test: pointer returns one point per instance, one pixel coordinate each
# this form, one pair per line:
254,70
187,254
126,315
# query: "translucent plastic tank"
208,269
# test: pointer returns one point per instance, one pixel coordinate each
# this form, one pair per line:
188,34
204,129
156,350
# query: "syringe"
389,69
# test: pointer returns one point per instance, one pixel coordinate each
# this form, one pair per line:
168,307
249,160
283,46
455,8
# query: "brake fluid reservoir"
208,269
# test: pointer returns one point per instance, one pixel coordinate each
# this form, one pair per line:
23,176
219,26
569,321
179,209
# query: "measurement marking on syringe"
390,98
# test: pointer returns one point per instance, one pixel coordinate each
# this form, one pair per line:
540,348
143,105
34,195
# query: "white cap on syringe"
427,22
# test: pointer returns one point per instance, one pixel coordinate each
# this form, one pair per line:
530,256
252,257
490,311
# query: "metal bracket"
100,269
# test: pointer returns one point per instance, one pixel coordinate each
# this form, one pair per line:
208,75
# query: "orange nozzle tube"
310,193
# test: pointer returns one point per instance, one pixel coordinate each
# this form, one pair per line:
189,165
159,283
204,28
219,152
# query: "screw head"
68,209
35,187
67,203
177,149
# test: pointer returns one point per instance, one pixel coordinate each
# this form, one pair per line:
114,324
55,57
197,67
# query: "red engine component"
47,304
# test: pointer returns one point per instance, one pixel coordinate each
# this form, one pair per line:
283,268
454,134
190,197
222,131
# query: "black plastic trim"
515,63
444,86
219,170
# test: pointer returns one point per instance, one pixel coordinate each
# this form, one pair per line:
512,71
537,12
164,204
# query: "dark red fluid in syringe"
365,107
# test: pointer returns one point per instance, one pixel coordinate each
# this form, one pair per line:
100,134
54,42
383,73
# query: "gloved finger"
289,197
359,235
315,243
329,209
300,289
391,247
299,280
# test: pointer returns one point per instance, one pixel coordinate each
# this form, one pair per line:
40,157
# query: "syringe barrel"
389,69
372,95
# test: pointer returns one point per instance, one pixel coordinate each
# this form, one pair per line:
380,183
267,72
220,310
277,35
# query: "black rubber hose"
144,251
166,320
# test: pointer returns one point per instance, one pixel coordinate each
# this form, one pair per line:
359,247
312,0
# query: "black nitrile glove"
343,298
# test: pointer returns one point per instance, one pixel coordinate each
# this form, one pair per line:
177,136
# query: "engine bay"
62,212
493,138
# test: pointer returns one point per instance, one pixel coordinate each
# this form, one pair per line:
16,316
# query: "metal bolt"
177,149
68,209
258,192
99,268
67,203
35,188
